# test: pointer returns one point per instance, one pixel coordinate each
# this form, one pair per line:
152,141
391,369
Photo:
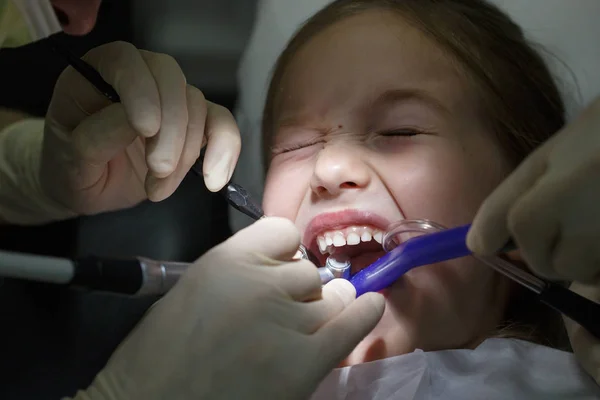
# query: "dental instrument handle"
108,275
578,308
33,267
136,277
86,70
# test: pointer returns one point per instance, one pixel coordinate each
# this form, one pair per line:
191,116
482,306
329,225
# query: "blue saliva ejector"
414,243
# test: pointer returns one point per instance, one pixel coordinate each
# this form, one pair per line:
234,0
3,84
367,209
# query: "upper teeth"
351,235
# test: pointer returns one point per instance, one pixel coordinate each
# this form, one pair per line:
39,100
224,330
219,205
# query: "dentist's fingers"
271,243
163,151
555,225
95,142
272,238
299,279
576,255
490,229
335,297
222,149
534,228
122,66
339,336
160,188
102,135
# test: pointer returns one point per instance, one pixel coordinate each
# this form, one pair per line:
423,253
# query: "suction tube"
440,244
434,244
445,244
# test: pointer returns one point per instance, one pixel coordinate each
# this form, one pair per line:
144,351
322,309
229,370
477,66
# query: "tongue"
360,255
363,260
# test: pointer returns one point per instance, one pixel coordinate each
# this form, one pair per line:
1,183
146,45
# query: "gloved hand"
98,156
245,322
550,206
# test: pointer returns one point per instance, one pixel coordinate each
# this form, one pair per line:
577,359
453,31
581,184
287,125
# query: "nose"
77,17
338,169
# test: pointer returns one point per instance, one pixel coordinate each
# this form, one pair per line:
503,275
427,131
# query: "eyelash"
294,147
402,132
407,132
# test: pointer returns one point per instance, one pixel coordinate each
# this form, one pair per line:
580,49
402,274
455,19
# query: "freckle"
340,126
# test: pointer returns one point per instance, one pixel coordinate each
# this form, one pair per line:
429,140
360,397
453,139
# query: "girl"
385,110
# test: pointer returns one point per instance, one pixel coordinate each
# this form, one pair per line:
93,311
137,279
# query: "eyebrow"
295,122
406,95
385,99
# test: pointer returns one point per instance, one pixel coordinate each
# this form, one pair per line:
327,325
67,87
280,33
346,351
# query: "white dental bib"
504,369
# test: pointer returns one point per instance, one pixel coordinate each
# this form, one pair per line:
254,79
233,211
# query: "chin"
389,338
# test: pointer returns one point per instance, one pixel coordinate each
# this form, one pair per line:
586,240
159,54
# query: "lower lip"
384,292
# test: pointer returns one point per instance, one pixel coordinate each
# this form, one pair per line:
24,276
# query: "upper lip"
340,219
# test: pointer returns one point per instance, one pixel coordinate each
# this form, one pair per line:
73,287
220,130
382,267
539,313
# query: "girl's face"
373,124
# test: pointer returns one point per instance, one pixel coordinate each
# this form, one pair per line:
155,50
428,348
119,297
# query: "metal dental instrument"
335,267
240,199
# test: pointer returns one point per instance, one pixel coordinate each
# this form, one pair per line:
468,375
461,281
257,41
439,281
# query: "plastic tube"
433,244
36,268
440,244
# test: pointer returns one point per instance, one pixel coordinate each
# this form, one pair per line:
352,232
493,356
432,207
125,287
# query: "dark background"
53,341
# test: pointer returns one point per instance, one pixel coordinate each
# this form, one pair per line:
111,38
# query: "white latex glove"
98,156
550,205
245,322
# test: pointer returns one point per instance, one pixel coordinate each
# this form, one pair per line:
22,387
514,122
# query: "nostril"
63,18
348,185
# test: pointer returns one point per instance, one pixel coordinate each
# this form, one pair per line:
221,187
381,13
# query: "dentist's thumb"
342,333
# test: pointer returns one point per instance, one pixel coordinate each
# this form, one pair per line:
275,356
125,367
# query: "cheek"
444,186
457,285
446,305
285,187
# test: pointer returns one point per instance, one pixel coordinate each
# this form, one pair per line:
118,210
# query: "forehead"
360,57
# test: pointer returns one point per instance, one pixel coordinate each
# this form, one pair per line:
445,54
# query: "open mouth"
361,244
354,233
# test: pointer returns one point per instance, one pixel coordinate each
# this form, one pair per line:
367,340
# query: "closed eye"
293,147
402,132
